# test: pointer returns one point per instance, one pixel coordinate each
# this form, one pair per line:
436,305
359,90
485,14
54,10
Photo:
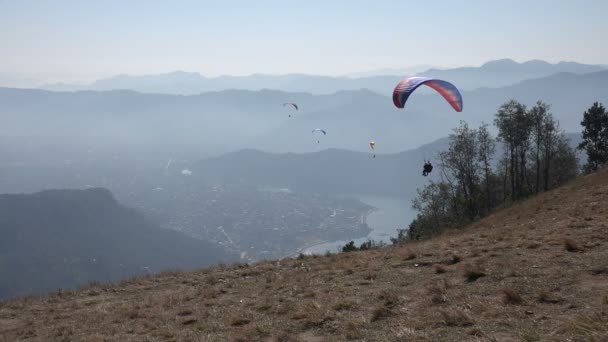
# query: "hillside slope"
67,238
535,271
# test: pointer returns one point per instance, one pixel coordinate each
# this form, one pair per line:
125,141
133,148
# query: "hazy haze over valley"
201,164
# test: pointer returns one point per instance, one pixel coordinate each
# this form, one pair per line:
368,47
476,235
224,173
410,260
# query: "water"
392,213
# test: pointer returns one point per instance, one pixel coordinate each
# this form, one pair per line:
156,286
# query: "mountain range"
332,171
496,73
219,122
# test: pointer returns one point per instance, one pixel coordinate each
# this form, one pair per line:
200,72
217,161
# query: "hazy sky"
81,40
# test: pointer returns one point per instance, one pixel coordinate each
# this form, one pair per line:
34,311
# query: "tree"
371,244
564,160
550,138
486,148
538,115
402,236
349,247
595,136
435,212
535,151
514,129
460,160
458,199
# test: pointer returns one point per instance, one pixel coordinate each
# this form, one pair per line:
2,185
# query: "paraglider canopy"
319,130
290,104
406,87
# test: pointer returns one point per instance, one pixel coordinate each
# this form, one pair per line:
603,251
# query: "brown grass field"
536,271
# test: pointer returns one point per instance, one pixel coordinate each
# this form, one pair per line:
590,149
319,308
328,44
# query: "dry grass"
572,246
518,275
472,273
353,332
409,255
456,318
587,327
439,269
599,270
380,312
454,259
438,292
548,298
511,296
344,306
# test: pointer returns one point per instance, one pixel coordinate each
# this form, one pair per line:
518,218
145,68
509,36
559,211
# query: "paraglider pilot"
428,167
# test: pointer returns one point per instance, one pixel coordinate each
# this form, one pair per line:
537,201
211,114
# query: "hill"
535,271
332,171
67,238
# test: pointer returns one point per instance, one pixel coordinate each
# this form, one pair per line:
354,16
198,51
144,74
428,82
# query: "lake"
392,213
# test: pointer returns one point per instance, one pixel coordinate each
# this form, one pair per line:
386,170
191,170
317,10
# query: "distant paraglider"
428,168
446,89
291,104
372,145
319,130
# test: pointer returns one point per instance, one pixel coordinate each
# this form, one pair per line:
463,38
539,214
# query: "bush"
350,247
369,244
402,236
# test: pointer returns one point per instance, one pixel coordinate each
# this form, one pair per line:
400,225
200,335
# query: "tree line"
479,172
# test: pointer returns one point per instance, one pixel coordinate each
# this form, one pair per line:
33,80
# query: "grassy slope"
545,262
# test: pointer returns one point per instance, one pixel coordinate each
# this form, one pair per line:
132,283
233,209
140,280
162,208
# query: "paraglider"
292,105
427,168
319,130
446,89
372,145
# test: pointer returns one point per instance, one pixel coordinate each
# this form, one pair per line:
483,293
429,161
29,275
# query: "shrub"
350,247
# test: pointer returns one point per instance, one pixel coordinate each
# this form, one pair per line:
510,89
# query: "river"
391,213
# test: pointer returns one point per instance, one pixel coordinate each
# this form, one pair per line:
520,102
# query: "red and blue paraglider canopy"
405,88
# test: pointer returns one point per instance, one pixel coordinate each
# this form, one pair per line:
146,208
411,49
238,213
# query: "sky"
78,40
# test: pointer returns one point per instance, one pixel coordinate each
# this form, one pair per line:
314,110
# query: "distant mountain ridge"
496,73
539,66
427,116
331,171
506,72
219,122
67,238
